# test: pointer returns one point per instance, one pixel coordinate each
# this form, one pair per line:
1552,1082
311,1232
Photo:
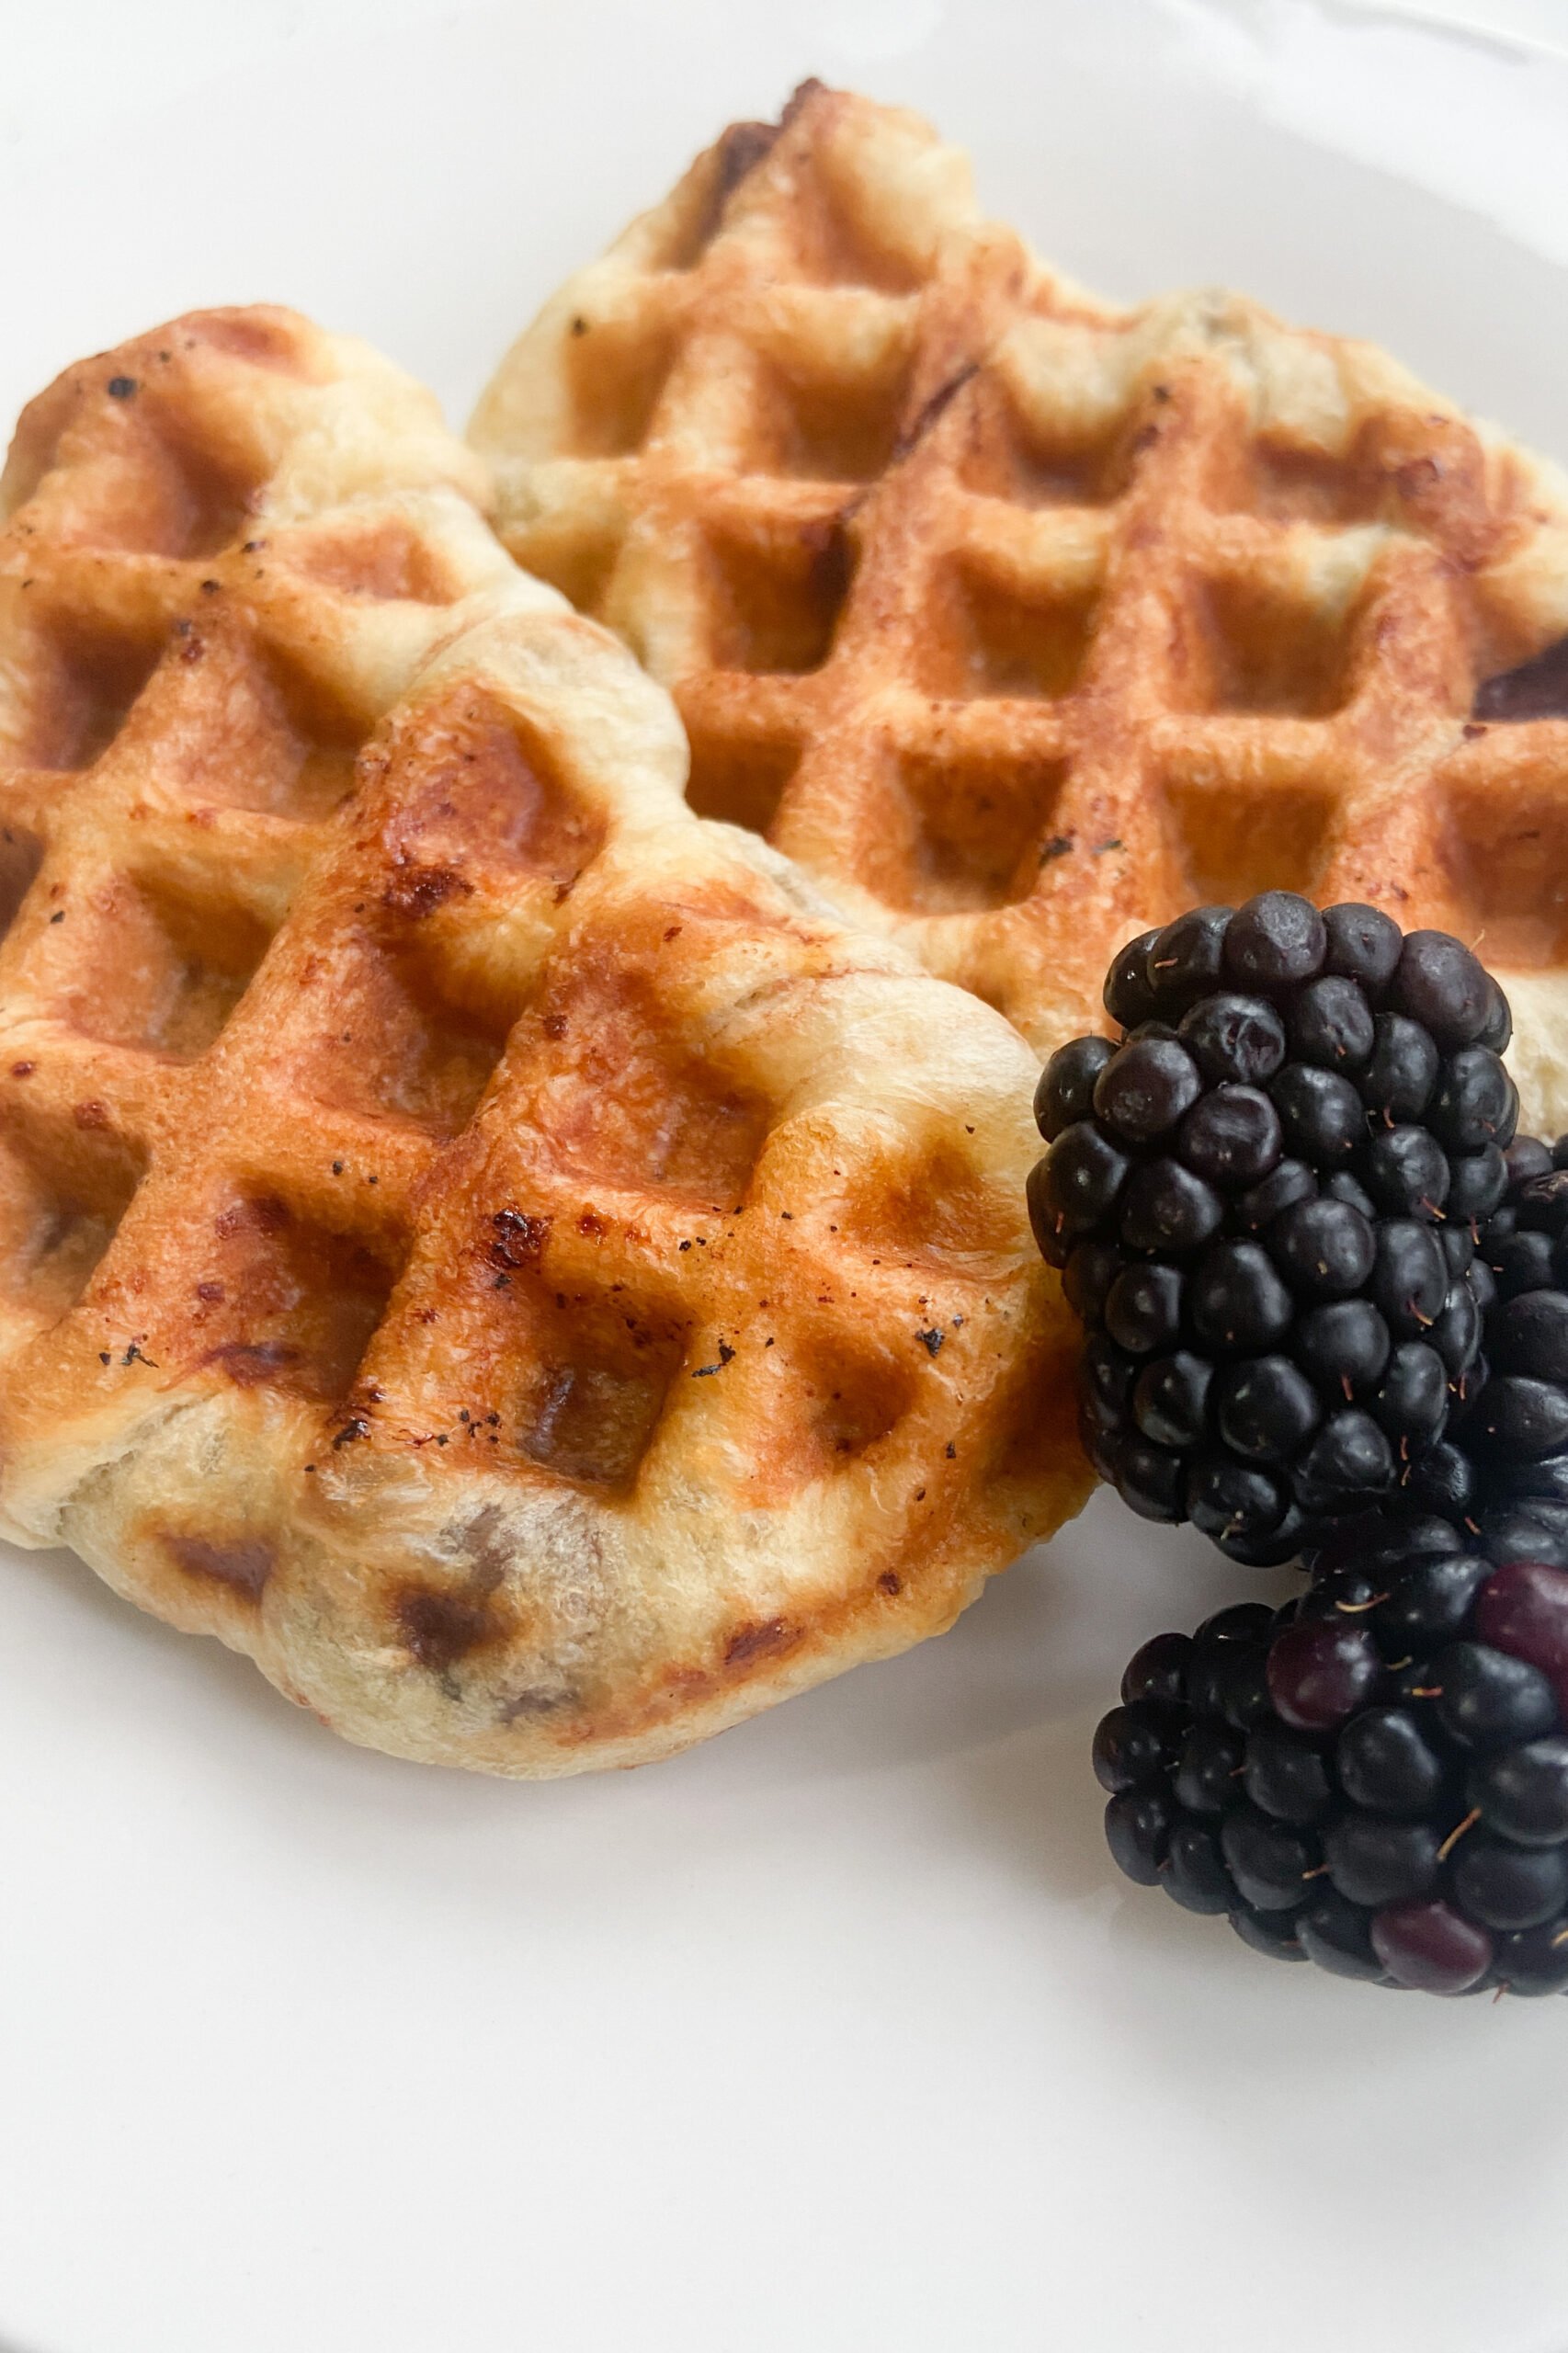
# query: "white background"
839,2033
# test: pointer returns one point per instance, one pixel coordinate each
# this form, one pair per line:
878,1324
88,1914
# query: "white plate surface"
839,2033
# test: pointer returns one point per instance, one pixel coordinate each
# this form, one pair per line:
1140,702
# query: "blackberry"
1143,1091
1331,1023
1374,1779
1066,1089
1236,1300
1401,1070
1265,1195
1517,1427
1144,1308
1275,942
1265,1407
1324,1246
1235,1039
1440,984
1363,945
1167,1210
1288,1182
1233,1137
1321,1113
1170,1399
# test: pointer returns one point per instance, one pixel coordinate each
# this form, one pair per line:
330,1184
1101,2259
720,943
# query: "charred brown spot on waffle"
438,1629
241,1565
739,151
1133,609
764,1641
516,1240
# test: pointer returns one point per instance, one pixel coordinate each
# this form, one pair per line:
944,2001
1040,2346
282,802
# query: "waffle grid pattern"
1022,622
491,1247
187,683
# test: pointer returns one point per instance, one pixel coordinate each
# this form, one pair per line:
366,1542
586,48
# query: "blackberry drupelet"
1265,1198
1516,1426
1375,1778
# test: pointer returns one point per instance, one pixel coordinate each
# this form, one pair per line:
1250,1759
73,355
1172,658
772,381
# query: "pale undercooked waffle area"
1024,622
481,1239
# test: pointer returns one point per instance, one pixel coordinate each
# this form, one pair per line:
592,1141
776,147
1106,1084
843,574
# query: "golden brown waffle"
1024,622
485,1242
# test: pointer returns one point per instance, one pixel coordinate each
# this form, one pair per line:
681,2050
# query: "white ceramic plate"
839,2033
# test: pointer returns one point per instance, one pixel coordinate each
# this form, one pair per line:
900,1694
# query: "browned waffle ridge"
1022,621
492,1246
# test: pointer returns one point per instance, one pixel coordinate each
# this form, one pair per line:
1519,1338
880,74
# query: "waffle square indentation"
21,854
778,597
593,1399
489,792
1065,460
957,833
81,681
1260,648
393,1040
1003,638
851,1400
1234,844
158,964
739,783
63,1193
831,429
1509,853
620,1103
286,1302
616,367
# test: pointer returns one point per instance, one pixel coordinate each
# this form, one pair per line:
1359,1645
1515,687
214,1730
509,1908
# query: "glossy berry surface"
1523,1608
1428,1946
1366,1779
1248,1192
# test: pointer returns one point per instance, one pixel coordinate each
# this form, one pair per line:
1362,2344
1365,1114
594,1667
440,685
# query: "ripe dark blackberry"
1375,1778
1517,1426
1265,1198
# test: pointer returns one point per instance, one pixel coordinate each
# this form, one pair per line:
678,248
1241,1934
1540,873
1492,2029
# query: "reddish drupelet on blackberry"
1265,1198
1375,1777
